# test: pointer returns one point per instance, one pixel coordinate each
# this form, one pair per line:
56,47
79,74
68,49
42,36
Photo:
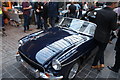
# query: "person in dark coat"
106,20
45,14
116,66
72,10
52,12
38,10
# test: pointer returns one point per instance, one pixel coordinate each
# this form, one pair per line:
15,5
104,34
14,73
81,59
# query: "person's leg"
50,21
38,21
28,22
45,23
25,22
116,66
100,54
96,59
53,21
41,21
117,61
102,49
80,14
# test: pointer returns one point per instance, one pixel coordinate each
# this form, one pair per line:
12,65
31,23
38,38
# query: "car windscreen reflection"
79,26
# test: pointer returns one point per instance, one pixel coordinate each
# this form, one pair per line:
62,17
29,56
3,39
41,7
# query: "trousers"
100,53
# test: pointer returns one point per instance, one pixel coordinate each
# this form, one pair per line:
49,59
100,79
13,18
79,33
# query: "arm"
27,7
114,23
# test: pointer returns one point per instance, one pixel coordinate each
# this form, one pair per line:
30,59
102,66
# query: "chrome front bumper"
35,72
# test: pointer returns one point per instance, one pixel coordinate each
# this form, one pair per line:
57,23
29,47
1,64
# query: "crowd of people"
49,12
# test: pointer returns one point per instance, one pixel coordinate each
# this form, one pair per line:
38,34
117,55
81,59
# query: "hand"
30,7
38,10
115,33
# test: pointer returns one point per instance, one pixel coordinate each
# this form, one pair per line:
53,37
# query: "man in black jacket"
106,20
72,10
38,10
52,12
45,14
116,66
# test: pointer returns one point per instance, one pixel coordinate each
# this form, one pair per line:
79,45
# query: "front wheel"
74,68
73,71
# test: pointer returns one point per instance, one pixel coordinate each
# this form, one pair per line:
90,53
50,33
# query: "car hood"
45,47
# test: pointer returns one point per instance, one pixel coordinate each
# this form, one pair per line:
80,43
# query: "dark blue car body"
63,44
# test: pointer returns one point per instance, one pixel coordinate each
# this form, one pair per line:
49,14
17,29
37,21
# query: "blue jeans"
26,22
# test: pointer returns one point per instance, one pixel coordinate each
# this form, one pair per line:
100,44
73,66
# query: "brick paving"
11,69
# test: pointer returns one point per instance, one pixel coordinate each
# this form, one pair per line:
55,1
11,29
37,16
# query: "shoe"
25,31
95,67
101,66
112,69
29,30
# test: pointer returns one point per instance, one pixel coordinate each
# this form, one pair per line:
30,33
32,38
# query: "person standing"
45,14
85,6
106,20
78,7
80,10
117,10
26,14
38,10
116,66
72,10
52,12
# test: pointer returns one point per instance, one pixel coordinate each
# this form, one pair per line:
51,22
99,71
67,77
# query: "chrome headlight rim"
20,43
56,64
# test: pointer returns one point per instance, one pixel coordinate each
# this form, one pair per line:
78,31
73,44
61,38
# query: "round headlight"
56,64
21,43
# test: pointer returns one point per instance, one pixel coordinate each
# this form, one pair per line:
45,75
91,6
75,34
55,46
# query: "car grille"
32,63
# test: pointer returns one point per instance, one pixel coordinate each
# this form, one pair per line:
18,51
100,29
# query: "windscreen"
79,26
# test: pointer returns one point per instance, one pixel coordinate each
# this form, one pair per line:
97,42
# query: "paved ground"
13,70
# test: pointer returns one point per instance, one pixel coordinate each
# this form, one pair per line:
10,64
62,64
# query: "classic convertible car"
58,52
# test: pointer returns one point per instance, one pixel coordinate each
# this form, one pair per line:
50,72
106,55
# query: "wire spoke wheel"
73,71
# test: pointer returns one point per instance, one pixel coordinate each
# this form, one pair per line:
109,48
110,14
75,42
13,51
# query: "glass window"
79,26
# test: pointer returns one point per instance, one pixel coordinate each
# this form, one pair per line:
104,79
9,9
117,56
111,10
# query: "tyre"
73,70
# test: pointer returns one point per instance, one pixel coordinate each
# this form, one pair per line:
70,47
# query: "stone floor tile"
92,75
6,75
19,75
